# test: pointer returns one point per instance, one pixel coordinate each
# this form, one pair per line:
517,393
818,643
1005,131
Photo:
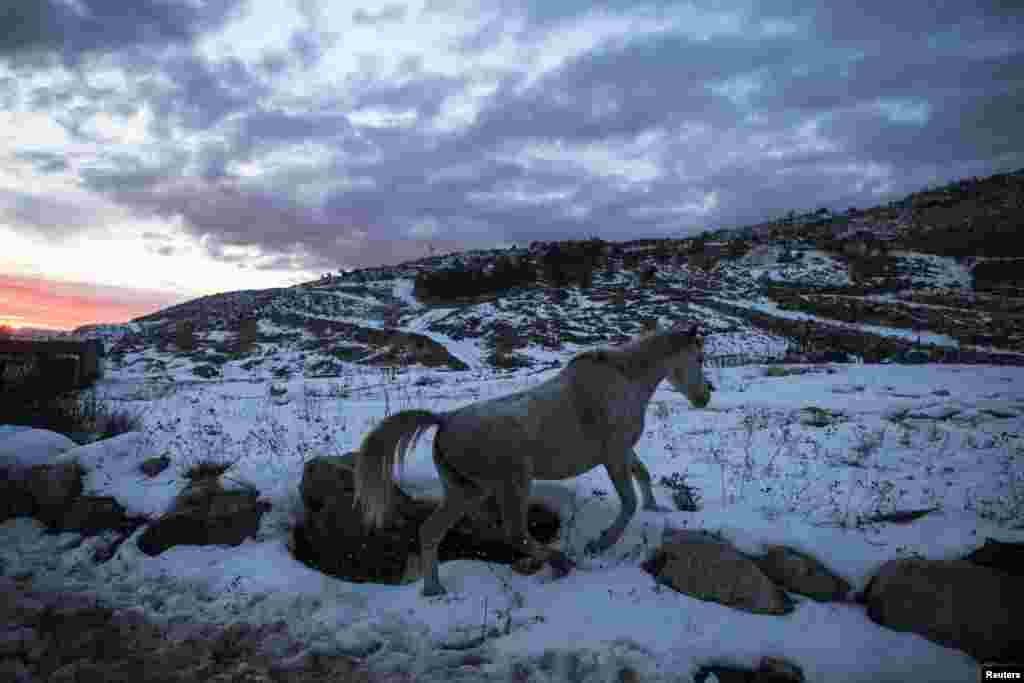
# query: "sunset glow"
185,148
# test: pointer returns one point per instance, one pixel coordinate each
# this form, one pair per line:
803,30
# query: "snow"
909,335
403,288
31,446
763,476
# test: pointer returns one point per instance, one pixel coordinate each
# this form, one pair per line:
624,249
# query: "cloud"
388,14
44,29
501,124
53,218
44,162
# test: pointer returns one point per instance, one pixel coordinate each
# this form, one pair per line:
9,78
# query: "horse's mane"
635,355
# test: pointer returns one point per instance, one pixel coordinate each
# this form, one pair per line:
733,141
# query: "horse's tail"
388,443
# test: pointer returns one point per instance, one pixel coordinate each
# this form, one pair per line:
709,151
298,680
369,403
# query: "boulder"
91,515
154,466
15,501
914,357
708,568
803,574
333,539
1006,557
52,488
52,493
205,514
954,603
769,670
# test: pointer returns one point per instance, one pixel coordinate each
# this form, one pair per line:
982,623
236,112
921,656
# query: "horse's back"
536,430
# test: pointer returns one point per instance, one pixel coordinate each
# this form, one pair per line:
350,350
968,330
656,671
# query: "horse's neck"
643,387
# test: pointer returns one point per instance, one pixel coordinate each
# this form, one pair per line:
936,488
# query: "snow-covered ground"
889,437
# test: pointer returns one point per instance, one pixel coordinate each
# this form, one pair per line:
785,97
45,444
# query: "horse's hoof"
527,566
561,566
431,591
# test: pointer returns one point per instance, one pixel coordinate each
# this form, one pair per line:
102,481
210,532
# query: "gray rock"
53,486
708,568
154,466
15,671
1006,557
15,501
954,603
92,514
334,540
800,573
205,514
769,670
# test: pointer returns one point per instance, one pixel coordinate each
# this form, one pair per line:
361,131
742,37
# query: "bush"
997,275
206,371
457,283
248,332
185,335
77,415
701,261
511,361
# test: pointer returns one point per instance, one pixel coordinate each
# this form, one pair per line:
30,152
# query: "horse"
591,413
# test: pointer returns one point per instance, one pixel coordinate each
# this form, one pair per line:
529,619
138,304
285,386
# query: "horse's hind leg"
513,499
461,497
621,476
643,477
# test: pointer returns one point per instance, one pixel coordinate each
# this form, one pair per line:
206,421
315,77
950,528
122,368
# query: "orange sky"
27,301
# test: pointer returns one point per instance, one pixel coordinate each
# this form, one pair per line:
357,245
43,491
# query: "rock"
333,539
800,573
154,466
954,603
15,501
90,515
52,487
205,514
52,493
769,670
628,675
15,641
914,357
708,568
1006,557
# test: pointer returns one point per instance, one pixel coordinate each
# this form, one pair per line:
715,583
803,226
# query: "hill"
925,278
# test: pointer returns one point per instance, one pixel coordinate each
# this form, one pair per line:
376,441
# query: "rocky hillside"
922,279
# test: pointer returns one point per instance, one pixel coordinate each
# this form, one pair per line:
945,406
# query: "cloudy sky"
184,147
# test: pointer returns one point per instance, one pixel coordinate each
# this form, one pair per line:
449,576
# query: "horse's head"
686,367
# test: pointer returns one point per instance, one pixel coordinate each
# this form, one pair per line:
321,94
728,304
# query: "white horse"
589,414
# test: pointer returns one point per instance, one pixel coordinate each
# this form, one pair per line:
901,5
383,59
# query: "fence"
732,360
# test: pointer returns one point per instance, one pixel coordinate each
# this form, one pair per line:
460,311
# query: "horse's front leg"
643,477
621,476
